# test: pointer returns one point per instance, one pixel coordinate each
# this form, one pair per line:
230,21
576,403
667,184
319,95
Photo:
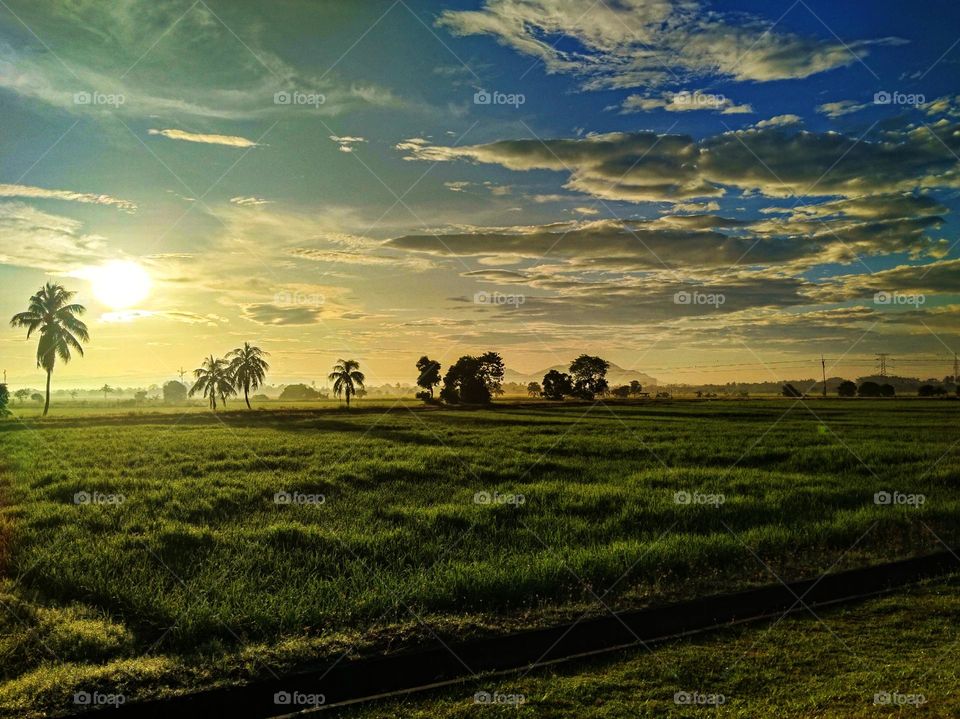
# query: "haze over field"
730,185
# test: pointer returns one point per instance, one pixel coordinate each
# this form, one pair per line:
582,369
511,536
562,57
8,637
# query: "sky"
702,191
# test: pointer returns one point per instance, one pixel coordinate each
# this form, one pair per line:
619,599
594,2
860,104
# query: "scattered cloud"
228,140
41,193
346,143
249,201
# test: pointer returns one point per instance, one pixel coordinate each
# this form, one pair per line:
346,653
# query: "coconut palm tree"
61,330
248,368
214,380
346,377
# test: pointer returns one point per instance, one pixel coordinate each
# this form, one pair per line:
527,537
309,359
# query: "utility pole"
182,374
823,367
956,370
882,359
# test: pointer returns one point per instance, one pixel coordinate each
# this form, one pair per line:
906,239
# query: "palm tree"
106,389
346,376
214,380
61,330
248,368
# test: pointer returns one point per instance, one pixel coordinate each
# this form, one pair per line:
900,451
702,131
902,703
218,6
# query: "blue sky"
320,178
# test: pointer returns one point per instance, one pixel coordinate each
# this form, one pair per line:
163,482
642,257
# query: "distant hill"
616,375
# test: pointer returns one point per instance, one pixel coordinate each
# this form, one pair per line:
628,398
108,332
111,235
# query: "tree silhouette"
847,389
534,389
61,330
589,376
346,377
429,374
22,394
4,400
248,368
556,385
214,380
106,389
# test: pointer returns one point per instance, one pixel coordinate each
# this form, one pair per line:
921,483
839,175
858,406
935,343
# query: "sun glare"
120,284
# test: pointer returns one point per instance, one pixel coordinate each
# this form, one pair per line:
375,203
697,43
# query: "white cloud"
42,193
228,140
684,101
780,121
346,142
841,107
249,201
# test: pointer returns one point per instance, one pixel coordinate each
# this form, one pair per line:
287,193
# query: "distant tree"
248,368
847,389
887,390
429,376
589,376
299,393
869,389
929,390
37,397
557,385
635,387
473,380
61,330
534,389
174,392
140,396
346,378
73,394
214,380
106,389
22,394
790,391
4,400
621,392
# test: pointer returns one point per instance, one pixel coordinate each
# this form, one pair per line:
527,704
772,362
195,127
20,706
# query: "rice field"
146,553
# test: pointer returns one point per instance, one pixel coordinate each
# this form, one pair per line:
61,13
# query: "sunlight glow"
120,284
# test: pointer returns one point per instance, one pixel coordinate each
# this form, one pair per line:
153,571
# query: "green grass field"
894,656
146,553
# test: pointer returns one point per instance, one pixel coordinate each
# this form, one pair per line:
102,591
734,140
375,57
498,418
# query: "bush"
847,389
869,389
298,392
4,400
174,392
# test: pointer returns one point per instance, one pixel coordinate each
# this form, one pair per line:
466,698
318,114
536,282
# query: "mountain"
616,375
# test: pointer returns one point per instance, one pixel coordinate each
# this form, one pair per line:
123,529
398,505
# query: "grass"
198,577
902,647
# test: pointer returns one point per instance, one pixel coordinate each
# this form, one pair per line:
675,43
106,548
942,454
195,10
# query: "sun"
120,284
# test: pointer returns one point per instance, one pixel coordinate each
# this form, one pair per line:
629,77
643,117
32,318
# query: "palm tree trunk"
46,404
348,396
246,397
